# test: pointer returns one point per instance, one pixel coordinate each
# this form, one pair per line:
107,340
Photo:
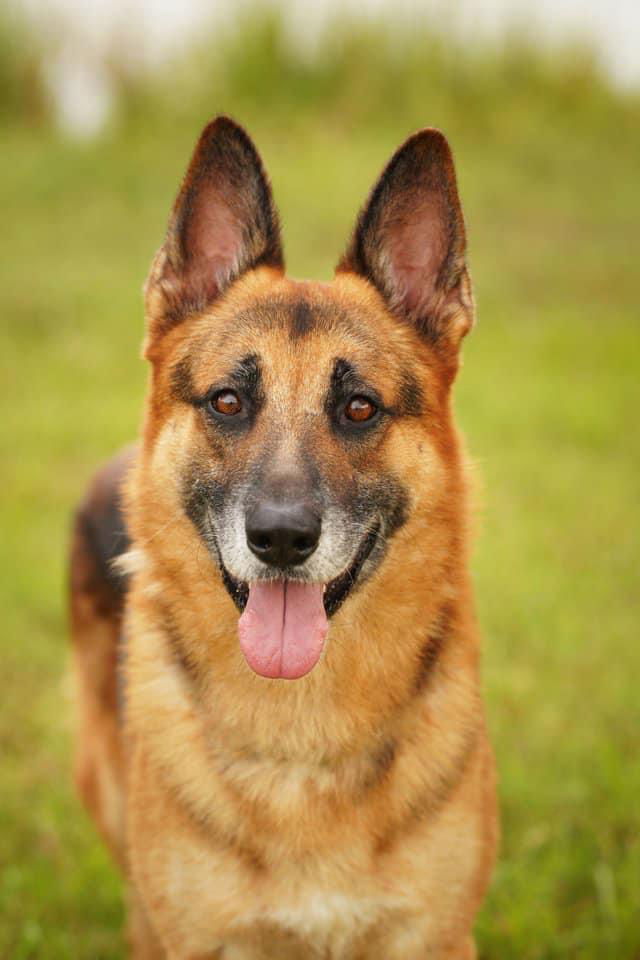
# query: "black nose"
282,534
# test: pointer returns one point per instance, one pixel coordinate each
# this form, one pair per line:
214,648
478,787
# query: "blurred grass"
548,162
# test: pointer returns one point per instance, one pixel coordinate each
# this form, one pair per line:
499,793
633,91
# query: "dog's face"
305,423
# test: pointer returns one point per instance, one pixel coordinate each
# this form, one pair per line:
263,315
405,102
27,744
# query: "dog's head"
300,426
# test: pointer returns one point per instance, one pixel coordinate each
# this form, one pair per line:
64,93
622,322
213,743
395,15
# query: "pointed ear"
409,240
223,223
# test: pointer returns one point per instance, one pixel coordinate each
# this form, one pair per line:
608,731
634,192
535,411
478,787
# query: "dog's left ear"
409,240
223,223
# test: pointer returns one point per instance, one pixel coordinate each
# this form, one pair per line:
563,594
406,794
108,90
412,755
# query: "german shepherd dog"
281,733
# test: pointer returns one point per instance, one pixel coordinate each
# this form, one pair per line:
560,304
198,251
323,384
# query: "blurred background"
100,105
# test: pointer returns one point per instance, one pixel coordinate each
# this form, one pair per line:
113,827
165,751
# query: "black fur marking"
382,762
248,376
101,526
430,653
428,804
303,319
410,396
107,539
199,497
344,380
301,316
385,759
395,506
182,383
215,832
387,498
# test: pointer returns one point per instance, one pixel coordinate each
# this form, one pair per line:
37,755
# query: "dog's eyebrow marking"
248,374
342,370
344,380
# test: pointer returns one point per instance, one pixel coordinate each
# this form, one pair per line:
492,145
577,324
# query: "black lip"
336,591
339,589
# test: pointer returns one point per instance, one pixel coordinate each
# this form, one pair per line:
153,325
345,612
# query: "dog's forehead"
297,331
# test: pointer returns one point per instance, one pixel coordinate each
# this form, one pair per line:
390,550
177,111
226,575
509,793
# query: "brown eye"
360,409
227,403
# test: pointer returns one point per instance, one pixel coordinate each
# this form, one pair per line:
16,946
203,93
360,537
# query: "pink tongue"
283,628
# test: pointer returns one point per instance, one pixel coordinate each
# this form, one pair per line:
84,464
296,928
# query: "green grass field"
548,397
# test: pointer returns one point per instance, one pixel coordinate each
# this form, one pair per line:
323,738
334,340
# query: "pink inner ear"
417,247
214,241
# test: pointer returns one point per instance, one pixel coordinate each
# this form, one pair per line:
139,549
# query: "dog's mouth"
284,623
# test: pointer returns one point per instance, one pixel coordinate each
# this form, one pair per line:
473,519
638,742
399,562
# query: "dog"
281,734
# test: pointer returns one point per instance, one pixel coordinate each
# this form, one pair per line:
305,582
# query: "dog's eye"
226,402
359,409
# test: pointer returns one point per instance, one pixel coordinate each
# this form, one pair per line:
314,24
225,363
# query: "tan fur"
350,814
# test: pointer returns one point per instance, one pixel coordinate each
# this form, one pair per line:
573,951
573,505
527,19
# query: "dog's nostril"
302,544
261,542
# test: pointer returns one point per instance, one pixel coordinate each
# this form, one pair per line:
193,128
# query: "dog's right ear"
223,223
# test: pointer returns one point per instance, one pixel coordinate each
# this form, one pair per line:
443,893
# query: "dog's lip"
336,591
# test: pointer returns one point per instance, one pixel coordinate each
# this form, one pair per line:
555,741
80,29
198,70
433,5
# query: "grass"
548,397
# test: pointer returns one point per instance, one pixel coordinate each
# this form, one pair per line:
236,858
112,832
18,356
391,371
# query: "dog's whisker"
156,533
